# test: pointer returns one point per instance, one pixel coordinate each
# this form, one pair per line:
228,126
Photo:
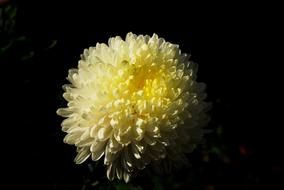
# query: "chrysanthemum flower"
134,102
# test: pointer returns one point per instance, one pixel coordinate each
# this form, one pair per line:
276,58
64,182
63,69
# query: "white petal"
126,177
97,149
104,133
110,157
119,173
72,138
110,172
82,155
149,140
135,151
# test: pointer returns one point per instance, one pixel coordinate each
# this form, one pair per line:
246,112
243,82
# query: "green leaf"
125,186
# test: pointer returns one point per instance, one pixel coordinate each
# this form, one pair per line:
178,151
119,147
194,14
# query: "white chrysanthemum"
133,102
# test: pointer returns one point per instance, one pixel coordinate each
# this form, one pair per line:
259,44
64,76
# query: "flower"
134,102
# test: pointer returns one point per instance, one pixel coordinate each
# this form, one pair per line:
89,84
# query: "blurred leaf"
126,186
216,150
52,44
7,25
219,131
21,38
28,56
7,18
157,183
14,46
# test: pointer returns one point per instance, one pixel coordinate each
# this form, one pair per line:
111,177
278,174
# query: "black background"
227,41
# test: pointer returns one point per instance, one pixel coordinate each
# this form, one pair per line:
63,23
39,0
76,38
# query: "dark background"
227,41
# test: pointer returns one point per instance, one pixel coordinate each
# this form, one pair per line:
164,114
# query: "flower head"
134,102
